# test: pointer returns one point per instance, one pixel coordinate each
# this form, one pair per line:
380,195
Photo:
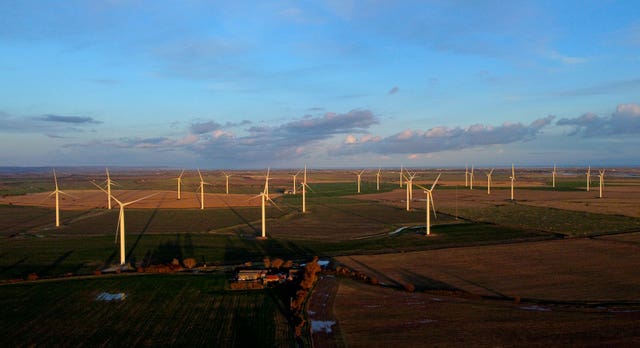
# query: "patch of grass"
159,310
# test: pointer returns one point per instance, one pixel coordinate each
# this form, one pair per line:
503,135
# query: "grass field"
159,310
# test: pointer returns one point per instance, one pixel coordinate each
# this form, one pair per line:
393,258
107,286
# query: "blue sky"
217,84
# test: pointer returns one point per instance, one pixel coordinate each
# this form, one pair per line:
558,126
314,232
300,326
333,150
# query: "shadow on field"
240,250
12,266
497,293
54,265
423,283
165,252
144,230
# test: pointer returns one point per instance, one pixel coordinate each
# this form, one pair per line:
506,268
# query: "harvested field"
374,316
562,270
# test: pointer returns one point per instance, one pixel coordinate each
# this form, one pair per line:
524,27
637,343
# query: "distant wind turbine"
359,174
227,184
466,175
401,175
294,176
266,182
201,187
179,180
601,176
409,182
264,197
489,181
378,179
57,193
553,176
109,182
121,221
471,178
513,180
589,179
430,203
304,190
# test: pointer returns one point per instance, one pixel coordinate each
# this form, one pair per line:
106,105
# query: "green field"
159,310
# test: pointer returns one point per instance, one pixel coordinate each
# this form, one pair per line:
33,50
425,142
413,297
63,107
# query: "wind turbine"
513,180
57,193
294,176
378,179
466,175
430,203
179,180
109,182
471,178
264,197
401,169
489,181
409,181
589,179
121,225
201,187
359,174
553,176
601,176
227,177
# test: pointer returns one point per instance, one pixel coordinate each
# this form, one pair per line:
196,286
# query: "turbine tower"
401,175
553,176
57,193
430,203
409,182
378,179
264,197
201,187
589,179
304,190
359,174
121,220
179,180
227,183
471,178
466,175
601,176
489,181
513,181
266,182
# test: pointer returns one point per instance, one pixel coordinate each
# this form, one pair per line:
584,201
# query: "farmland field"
556,260
159,310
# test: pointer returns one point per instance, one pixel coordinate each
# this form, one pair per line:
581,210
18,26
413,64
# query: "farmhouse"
251,274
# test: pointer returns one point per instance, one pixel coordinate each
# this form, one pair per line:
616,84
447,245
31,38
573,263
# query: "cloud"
69,119
624,121
439,139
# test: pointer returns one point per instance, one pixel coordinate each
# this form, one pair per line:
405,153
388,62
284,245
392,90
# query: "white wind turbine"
489,181
401,175
430,203
57,193
179,180
201,187
378,179
466,175
121,224
359,174
553,176
409,182
471,178
294,176
266,182
589,179
264,197
109,182
601,176
513,180
304,190
227,179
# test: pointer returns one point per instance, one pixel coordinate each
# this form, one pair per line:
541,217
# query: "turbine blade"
182,172
433,205
435,182
118,226
98,186
200,175
138,200
274,203
421,187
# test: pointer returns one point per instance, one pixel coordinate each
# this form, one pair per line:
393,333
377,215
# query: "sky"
251,84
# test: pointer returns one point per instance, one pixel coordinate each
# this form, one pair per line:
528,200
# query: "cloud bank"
624,121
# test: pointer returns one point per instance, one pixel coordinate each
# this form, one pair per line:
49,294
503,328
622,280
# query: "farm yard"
555,260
